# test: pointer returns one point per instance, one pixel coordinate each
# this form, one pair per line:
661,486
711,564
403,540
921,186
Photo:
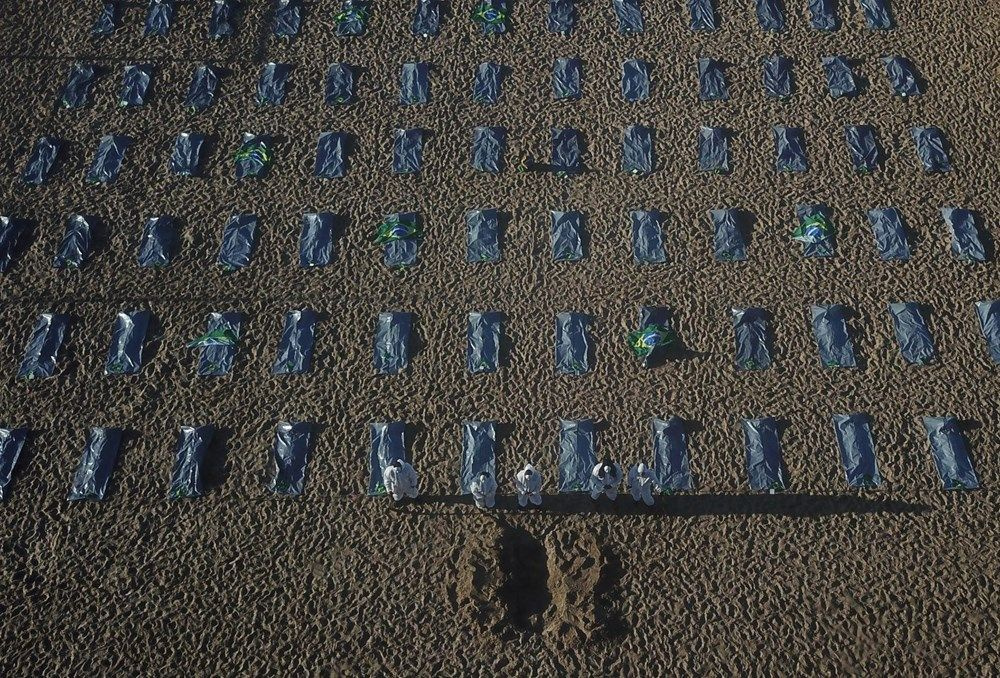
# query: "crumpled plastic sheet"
629,15
388,444
217,360
671,463
713,150
890,233
295,347
567,150
239,240
402,252
488,144
567,236
635,80
426,18
201,91
753,338
877,14
840,78
13,238
407,150
483,335
655,315
863,147
186,156
857,450
392,342
789,149
479,441
42,351
566,76
637,150
902,76
253,167
988,313
561,16
702,15
577,455
128,337
11,443
331,155
932,148
272,84
222,23
159,243
41,161
712,80
572,348
187,475
826,247
832,339
483,236
76,92
108,159
966,244
823,15
771,15
647,237
729,226
316,239
286,469
950,453
486,87
765,467
107,19
912,333
356,25
93,473
414,84
74,248
778,78
158,17
287,18
495,27
339,84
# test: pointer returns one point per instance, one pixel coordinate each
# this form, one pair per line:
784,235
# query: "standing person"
605,479
528,483
484,490
640,483
400,480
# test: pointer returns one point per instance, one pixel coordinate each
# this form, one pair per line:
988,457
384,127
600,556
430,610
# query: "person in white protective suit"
605,479
400,480
484,490
528,483
640,483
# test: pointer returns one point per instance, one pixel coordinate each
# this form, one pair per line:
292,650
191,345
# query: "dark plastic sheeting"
287,18
222,23
778,78
671,464
46,339
830,330
965,242
655,315
392,342
339,84
352,18
989,322
295,348
42,160
488,145
74,248
890,233
567,150
402,252
567,236
201,91
331,155
637,150
902,76
561,17
407,150
702,15
765,468
577,455
76,93
11,443
647,237
912,334
128,337
863,147
823,15
486,87
13,238
186,156
272,84
713,150
479,441
825,247
286,472
951,456
388,445
239,240
93,473
483,333
840,78
254,165
789,149
426,18
217,360
107,19
712,81
316,239
159,242
566,75
877,14
753,338
857,450
572,347
483,240
158,18
629,15
414,84
932,148
492,8
729,241
108,159
770,15
186,477
635,80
